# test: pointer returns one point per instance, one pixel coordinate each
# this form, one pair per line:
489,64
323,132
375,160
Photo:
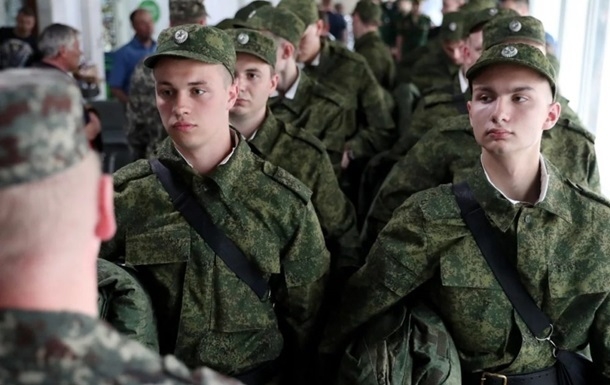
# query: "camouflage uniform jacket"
207,314
144,127
433,70
446,151
321,111
124,304
561,250
48,348
414,32
304,156
379,58
348,73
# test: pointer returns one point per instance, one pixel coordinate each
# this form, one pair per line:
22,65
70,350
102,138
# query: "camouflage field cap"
306,10
226,24
505,29
192,41
477,19
519,54
186,9
452,28
245,12
279,21
478,5
41,125
369,12
254,43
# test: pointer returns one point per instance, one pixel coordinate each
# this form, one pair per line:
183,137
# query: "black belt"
260,375
542,377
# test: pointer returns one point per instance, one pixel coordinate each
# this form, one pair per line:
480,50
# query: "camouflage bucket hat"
205,44
452,28
368,12
507,29
245,12
518,54
306,10
280,22
482,17
186,9
41,125
254,43
478,5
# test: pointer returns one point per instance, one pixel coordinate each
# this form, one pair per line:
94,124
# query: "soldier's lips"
183,127
241,102
498,133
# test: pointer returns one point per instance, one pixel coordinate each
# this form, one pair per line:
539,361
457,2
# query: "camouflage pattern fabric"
45,348
504,29
254,43
378,57
306,10
279,21
319,110
434,70
449,149
124,304
348,73
192,41
408,344
144,127
477,19
478,5
302,155
414,31
42,126
207,314
245,12
181,10
427,245
452,28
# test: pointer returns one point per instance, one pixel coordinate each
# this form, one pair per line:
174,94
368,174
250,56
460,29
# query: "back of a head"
187,12
368,12
55,36
46,161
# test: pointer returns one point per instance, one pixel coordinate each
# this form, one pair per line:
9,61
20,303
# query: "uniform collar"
292,91
226,176
463,81
301,96
502,211
267,133
368,37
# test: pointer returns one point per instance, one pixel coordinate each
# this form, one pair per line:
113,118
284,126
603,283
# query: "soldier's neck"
287,77
517,176
207,156
247,125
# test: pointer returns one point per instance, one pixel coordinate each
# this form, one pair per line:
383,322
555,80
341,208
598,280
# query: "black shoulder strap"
504,271
195,215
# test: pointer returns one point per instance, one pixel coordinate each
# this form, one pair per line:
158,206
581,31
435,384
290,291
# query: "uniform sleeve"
593,180
600,341
399,261
422,168
376,130
305,266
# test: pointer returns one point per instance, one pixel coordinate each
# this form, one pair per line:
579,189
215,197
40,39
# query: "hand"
345,159
93,128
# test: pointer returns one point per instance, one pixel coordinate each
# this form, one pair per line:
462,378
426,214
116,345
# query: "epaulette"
286,179
573,126
133,171
435,98
586,192
455,123
330,95
305,136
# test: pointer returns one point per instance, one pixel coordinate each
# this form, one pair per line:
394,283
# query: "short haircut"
132,15
26,11
54,37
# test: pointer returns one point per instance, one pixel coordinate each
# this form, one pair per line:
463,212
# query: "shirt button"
528,219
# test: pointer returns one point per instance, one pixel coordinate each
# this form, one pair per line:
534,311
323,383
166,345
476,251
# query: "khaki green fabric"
478,5
449,148
433,70
427,245
452,28
505,29
304,156
319,110
476,19
306,10
414,30
124,304
279,21
180,10
378,57
348,73
245,12
41,125
44,348
207,315
254,43
369,12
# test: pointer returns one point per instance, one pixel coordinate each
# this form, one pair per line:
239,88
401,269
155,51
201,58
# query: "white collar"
234,142
544,182
292,91
315,62
463,81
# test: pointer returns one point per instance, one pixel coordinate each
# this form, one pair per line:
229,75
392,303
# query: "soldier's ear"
552,116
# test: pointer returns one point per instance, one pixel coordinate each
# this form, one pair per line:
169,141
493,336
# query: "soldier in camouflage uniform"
55,209
144,128
300,100
412,30
366,19
209,315
554,230
427,169
347,72
295,150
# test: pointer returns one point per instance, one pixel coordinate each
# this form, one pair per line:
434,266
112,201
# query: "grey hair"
54,37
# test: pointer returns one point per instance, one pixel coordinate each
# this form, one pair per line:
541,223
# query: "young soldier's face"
511,106
309,46
255,84
473,48
193,99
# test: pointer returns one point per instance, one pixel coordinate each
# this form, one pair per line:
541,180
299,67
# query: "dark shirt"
337,25
16,51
